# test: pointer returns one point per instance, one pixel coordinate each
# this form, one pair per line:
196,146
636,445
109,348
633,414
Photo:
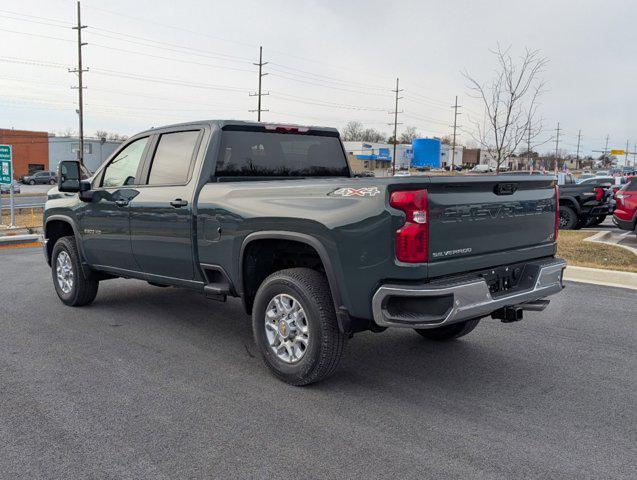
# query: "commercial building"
471,156
446,156
372,156
35,151
96,150
30,150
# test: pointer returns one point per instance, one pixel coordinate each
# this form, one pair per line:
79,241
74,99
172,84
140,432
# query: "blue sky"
153,63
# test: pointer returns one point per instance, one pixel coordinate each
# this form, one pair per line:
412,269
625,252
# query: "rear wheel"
568,218
594,221
295,327
31,182
70,284
449,332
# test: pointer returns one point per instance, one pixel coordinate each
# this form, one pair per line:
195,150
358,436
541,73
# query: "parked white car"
481,168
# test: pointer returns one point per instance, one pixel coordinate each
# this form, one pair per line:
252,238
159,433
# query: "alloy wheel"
286,328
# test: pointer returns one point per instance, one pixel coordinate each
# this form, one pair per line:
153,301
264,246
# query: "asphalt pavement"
163,383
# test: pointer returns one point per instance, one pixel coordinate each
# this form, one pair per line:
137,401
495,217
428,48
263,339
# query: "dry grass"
24,217
572,248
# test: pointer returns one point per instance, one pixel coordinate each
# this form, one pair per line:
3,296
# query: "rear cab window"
250,153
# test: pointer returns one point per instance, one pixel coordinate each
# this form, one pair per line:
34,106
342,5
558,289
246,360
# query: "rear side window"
265,154
173,156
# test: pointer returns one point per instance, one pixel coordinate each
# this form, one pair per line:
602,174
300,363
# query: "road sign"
6,165
618,152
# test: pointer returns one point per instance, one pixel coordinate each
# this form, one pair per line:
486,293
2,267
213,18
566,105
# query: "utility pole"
80,88
395,112
626,154
606,146
557,144
455,125
634,153
579,139
259,94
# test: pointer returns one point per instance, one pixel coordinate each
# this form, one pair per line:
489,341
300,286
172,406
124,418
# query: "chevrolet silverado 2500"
273,215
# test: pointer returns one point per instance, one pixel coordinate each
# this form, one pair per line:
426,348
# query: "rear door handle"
178,203
121,202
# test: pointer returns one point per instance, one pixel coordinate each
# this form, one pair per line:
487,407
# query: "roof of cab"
224,123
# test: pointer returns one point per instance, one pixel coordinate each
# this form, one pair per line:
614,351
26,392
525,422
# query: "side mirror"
69,175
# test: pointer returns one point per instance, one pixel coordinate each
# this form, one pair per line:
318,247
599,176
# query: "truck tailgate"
480,215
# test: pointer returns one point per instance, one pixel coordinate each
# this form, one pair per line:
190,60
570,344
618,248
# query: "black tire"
568,218
449,332
594,221
325,341
52,182
31,182
83,291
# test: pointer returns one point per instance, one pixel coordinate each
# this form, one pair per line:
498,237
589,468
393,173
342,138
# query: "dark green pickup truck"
272,214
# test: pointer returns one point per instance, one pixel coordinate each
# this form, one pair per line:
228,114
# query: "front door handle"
121,202
178,203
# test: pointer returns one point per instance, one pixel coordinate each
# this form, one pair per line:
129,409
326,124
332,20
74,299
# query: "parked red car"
625,215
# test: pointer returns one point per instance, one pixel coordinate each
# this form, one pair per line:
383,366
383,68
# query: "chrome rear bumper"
441,303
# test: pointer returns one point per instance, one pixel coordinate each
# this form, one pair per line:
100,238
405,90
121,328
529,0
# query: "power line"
259,94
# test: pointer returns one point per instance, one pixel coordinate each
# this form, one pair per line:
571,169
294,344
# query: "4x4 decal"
356,192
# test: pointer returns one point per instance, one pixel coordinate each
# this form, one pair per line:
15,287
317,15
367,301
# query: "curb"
16,241
597,276
604,237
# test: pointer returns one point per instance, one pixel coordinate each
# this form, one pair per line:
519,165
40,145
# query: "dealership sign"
6,165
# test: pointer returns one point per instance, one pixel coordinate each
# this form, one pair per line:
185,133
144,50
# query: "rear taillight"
556,229
599,193
412,239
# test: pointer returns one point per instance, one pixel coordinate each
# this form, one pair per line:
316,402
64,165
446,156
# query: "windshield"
269,154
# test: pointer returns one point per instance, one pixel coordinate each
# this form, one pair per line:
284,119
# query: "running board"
216,291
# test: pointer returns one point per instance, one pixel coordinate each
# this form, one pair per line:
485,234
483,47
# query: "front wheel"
449,332
73,288
31,182
52,182
295,327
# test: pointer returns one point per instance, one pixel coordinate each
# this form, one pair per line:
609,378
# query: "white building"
445,155
380,154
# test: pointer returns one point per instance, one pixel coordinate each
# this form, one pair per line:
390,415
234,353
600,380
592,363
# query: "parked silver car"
4,188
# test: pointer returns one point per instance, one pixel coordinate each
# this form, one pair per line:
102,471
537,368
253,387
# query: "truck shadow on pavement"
395,359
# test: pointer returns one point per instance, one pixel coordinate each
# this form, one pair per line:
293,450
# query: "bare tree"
409,135
510,102
353,131
117,137
101,134
68,132
372,135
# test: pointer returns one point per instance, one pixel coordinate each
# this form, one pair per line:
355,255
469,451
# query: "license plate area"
503,279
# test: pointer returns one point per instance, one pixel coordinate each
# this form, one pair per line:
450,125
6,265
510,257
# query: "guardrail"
29,205
25,216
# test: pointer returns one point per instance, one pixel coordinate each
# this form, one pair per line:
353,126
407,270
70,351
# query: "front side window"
123,168
174,153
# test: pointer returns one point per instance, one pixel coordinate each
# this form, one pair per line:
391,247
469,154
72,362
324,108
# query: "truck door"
104,221
161,215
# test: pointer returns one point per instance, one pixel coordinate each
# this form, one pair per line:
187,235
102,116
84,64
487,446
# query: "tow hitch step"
515,313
